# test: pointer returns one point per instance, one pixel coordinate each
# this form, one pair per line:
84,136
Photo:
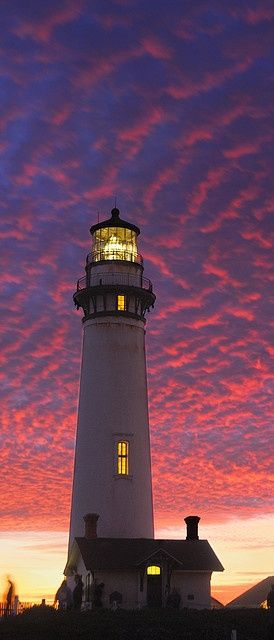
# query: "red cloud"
212,268
186,87
166,176
243,149
155,47
240,313
106,188
257,235
190,171
42,30
213,179
234,209
136,133
61,115
255,15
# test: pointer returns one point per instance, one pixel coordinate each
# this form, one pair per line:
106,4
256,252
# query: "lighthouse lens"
114,243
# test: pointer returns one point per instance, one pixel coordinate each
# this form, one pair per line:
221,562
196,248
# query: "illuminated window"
122,458
153,570
121,303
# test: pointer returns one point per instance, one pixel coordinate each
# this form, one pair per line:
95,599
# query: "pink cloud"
213,179
186,87
255,15
237,312
243,149
216,224
107,186
156,48
61,115
159,261
42,30
86,127
258,237
179,305
212,268
135,134
164,177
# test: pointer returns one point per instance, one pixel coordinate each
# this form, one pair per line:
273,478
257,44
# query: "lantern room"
114,283
115,239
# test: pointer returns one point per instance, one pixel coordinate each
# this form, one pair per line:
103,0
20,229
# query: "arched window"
122,457
153,570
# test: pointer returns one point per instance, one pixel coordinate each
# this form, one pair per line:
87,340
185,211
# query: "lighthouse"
112,468
112,540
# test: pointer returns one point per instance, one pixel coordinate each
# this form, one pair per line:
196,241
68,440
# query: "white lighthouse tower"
112,472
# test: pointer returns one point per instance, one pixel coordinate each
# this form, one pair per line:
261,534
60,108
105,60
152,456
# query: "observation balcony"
115,280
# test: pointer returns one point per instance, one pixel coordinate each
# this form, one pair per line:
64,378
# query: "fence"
15,608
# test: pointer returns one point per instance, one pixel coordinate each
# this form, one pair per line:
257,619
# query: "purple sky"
169,107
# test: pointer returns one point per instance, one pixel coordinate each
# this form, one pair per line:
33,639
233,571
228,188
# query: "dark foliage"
44,623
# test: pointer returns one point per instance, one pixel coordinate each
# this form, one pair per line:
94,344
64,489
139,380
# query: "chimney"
192,527
90,520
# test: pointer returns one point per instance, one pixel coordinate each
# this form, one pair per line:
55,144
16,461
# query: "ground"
44,623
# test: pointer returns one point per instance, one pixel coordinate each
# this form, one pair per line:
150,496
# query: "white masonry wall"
112,407
127,583
192,583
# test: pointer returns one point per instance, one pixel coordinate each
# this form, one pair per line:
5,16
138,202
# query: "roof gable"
254,596
157,556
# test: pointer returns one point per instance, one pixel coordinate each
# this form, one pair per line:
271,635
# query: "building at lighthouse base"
141,572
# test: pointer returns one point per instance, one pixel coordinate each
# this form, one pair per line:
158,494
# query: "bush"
45,623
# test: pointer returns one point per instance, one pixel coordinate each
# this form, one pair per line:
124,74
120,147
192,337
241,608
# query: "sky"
168,107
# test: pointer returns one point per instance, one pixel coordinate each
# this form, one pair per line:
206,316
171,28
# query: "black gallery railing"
112,279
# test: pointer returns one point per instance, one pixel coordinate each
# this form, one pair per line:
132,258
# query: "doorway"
154,587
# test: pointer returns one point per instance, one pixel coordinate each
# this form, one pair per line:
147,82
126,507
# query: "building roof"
121,554
253,597
216,604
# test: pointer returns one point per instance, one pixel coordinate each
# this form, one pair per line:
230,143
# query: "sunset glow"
167,107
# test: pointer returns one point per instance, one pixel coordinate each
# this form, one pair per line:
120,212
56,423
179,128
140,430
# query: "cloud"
40,25
169,112
156,48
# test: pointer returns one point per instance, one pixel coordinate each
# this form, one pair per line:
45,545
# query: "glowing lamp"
114,239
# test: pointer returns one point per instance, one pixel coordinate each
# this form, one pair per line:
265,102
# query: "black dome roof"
114,221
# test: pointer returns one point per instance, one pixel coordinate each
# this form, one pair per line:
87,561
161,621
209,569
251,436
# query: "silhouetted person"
64,597
97,596
9,597
77,593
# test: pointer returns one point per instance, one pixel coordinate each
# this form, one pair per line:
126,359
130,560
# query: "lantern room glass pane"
114,243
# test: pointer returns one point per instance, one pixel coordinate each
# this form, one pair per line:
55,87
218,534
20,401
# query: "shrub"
45,623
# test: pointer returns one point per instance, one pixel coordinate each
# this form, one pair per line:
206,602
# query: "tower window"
122,458
153,570
121,303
